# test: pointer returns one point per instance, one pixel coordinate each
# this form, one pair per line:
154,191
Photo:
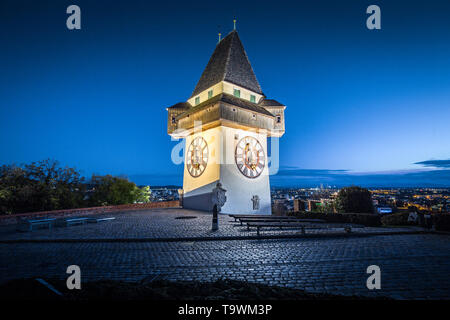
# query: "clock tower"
225,124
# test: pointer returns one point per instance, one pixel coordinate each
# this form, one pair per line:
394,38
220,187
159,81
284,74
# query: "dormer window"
197,100
278,119
237,93
252,98
210,94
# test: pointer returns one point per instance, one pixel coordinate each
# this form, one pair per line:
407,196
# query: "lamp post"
218,199
215,222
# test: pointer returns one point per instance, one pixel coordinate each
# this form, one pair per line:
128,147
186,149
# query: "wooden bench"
262,216
302,226
293,220
72,221
96,220
41,222
237,216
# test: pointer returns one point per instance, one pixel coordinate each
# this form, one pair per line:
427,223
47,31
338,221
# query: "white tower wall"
222,168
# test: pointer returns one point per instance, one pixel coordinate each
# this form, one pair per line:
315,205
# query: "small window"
173,120
252,98
237,93
278,119
210,93
197,100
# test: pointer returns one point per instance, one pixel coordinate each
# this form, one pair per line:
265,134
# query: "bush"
354,199
366,219
396,219
109,190
442,221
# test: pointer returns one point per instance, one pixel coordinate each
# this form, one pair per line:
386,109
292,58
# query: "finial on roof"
234,24
219,27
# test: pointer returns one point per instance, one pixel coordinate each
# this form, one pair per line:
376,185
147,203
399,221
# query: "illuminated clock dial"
250,157
197,157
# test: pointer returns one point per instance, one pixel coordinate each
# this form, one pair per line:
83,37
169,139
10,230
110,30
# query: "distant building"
313,204
384,210
299,205
278,208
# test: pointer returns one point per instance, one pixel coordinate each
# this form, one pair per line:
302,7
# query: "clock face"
197,157
250,157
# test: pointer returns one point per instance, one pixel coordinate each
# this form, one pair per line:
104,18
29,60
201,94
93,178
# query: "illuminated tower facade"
225,124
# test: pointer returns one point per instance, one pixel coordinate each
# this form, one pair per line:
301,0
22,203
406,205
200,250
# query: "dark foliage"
354,199
442,221
109,190
45,186
366,219
39,186
30,289
396,219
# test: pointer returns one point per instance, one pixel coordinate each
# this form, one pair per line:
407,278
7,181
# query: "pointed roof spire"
229,62
234,24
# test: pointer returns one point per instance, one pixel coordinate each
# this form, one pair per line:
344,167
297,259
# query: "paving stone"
161,223
412,266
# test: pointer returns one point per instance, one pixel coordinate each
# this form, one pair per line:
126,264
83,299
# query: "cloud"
435,163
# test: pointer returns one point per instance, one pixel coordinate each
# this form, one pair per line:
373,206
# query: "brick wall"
17,218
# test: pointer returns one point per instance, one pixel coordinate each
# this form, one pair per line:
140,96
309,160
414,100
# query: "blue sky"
363,107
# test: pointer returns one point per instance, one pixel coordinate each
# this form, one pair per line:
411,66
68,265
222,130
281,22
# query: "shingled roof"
229,62
230,99
270,103
180,106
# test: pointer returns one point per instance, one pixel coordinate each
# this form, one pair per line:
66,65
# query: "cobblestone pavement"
158,223
412,266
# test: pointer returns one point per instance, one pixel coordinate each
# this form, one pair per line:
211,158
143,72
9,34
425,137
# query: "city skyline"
363,107
297,178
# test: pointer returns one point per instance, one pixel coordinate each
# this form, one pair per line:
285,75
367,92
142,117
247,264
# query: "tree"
39,186
110,190
325,208
354,200
142,195
46,185
58,187
14,187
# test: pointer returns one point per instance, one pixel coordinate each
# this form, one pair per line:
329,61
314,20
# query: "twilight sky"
363,107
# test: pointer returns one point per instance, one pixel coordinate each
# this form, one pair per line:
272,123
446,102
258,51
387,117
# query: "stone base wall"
198,202
17,218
